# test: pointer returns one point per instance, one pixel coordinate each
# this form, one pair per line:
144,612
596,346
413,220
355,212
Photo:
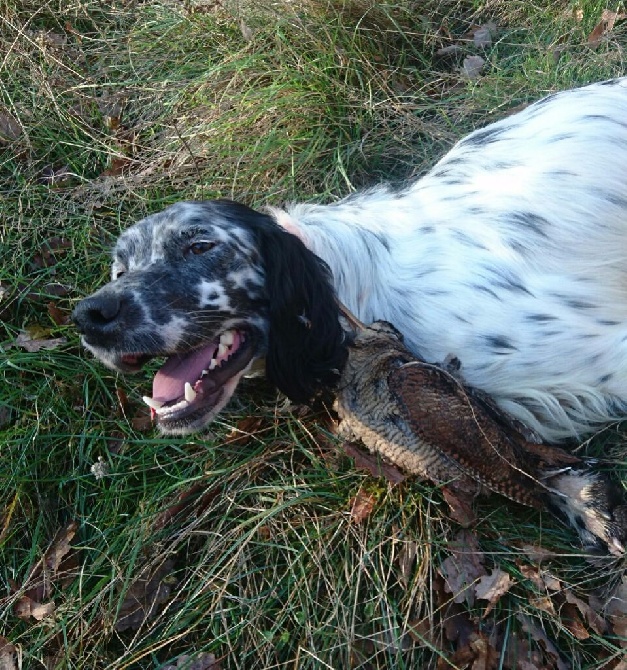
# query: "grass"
110,111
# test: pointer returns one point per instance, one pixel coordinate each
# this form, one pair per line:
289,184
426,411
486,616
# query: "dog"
510,254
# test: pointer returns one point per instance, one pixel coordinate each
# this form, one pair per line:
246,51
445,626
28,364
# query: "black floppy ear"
306,347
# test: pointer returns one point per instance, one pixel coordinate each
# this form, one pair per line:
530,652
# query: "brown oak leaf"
362,504
491,587
463,568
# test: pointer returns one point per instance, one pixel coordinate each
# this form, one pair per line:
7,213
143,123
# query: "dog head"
213,286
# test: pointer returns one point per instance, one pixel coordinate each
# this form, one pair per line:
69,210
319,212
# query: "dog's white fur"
511,254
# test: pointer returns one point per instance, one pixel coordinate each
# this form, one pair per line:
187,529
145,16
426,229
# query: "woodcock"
424,420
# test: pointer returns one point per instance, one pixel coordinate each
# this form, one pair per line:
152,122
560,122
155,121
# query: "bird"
422,418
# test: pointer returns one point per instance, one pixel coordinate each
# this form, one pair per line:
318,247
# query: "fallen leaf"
5,418
556,53
111,106
455,618
603,27
451,49
373,464
478,654
112,122
53,176
117,166
551,583
8,652
54,289
203,661
25,341
519,656
54,564
247,32
60,546
10,295
36,331
362,505
463,567
535,664
617,612
421,631
199,8
540,637
536,553
597,623
482,36
407,561
26,607
50,38
265,533
460,504
50,251
543,603
122,398
10,129
541,579
458,626
472,67
619,628
245,430
70,29
617,603
491,587
144,597
486,656
115,440
188,501
595,37
519,651
570,618
58,315
58,243
142,421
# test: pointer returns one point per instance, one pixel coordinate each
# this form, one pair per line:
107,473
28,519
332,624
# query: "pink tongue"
169,382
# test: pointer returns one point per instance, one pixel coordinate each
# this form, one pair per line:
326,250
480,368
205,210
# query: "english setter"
510,254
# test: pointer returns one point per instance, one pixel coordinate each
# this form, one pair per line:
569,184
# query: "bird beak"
353,321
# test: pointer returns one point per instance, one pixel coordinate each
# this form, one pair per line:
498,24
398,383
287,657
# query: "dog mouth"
192,387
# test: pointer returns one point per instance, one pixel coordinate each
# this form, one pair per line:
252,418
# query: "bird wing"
442,413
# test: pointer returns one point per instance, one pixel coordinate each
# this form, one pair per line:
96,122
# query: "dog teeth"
224,345
152,403
190,394
227,338
169,409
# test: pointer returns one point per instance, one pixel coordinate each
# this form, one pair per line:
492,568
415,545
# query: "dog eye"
198,248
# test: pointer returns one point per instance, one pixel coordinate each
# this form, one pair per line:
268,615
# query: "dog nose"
97,314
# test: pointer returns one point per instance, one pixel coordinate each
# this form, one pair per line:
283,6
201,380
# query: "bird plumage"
423,419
